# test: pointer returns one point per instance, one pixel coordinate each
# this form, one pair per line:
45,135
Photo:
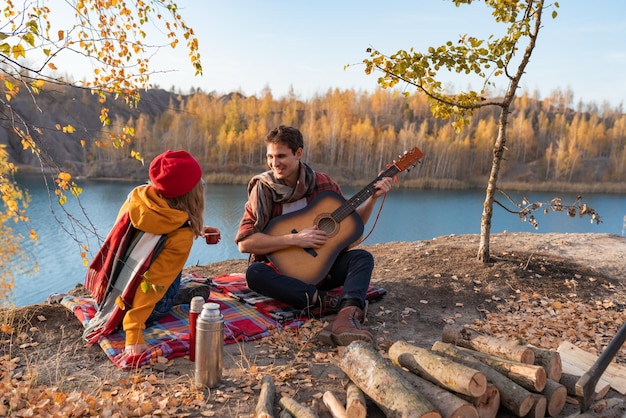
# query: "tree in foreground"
496,62
115,39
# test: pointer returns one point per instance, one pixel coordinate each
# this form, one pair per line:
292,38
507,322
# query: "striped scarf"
279,192
115,274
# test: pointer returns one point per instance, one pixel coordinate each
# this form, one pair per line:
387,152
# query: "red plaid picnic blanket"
247,316
234,285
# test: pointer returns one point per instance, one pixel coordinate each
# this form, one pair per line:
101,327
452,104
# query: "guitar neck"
355,201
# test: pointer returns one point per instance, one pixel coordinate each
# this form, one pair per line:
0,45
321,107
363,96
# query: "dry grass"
46,369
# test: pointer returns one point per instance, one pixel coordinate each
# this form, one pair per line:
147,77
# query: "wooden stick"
355,402
296,409
556,395
335,408
550,360
440,370
264,406
539,407
529,376
488,404
449,405
512,396
383,383
468,338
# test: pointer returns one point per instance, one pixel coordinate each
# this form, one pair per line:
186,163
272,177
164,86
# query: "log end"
356,410
541,378
557,401
488,404
527,356
477,385
431,414
525,406
539,408
465,411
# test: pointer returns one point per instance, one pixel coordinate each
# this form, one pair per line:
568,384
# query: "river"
407,215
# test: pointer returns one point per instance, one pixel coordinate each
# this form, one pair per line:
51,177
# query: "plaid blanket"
127,275
247,316
234,285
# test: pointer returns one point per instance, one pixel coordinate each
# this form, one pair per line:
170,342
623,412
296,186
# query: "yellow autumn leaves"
145,287
107,36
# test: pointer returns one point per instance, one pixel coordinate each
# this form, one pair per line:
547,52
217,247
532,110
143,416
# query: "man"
290,185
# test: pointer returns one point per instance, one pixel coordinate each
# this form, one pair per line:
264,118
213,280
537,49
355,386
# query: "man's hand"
383,186
311,238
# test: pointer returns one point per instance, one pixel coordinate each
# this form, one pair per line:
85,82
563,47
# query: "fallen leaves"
140,395
589,325
557,300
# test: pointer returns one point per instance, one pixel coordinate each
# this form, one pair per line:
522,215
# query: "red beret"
174,173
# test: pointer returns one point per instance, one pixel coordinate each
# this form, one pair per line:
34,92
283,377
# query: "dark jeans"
352,270
164,306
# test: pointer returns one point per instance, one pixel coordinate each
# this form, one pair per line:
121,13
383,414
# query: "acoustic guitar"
336,216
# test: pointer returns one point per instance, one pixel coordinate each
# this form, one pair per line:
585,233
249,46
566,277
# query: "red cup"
212,237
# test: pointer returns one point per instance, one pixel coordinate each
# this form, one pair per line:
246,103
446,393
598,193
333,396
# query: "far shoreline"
222,178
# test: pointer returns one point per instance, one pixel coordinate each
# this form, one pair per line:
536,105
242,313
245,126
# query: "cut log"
605,408
383,382
550,360
529,376
296,409
355,402
602,387
468,338
265,404
615,373
335,408
556,395
438,369
488,404
539,407
448,404
569,381
315,406
512,396
285,414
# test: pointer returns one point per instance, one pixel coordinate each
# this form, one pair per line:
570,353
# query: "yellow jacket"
150,213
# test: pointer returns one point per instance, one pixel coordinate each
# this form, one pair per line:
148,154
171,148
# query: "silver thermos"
209,345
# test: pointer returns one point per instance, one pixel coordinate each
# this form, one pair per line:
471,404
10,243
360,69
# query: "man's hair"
287,135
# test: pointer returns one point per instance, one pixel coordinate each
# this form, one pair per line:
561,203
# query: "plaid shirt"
247,227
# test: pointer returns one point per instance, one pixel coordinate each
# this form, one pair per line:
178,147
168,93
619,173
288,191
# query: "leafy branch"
117,40
525,209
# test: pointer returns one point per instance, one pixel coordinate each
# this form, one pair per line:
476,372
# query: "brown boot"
347,327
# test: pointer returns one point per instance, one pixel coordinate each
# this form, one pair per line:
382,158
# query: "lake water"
407,215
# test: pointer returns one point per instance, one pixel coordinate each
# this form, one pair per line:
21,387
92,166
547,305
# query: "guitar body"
331,213
311,265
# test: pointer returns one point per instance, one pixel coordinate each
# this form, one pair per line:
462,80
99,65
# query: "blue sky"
249,45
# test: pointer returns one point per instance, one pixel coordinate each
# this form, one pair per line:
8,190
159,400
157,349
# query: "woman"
171,205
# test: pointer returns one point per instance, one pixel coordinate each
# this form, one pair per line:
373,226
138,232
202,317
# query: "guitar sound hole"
327,225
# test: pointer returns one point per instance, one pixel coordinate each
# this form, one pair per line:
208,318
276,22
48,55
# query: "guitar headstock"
409,159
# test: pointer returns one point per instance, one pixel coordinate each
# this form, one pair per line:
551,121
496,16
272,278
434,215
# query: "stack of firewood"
465,375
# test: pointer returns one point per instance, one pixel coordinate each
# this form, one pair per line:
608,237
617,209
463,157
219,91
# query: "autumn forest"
354,134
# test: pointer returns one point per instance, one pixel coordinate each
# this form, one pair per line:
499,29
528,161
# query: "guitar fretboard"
355,201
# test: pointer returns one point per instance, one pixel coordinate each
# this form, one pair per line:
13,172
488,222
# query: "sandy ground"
430,283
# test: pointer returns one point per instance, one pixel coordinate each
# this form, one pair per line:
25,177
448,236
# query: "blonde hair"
191,202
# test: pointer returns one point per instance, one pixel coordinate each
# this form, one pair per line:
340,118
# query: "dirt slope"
429,283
